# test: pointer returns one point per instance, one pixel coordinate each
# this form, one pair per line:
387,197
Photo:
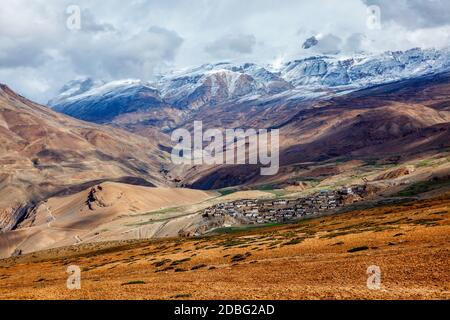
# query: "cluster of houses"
281,210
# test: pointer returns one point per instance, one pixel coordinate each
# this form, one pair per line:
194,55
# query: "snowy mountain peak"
103,101
362,70
75,88
223,82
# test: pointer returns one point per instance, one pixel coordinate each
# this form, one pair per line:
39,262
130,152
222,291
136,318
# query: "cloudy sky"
41,47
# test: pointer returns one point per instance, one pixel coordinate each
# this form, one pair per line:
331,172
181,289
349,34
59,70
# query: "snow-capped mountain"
365,70
214,84
100,102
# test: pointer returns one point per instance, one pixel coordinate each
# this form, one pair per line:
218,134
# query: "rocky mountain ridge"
211,85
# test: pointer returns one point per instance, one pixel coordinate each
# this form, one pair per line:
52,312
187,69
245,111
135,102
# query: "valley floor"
324,258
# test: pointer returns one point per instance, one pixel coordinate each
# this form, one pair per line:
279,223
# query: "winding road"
52,217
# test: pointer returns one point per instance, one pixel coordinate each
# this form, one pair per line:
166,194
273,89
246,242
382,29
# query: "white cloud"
414,14
230,46
140,38
116,55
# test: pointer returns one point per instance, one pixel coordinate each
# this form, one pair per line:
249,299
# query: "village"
283,210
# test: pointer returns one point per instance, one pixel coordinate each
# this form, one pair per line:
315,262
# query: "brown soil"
324,258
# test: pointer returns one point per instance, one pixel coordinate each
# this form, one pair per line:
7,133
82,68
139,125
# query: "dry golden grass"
309,260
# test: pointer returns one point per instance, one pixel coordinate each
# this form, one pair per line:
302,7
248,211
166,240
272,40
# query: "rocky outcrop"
397,173
93,200
44,153
206,225
12,216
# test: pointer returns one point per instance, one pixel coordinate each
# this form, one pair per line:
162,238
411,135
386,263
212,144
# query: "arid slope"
325,258
43,153
108,211
402,120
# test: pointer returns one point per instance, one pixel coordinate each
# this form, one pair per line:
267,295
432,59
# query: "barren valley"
324,258
364,181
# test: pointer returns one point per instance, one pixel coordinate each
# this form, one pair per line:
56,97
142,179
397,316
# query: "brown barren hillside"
102,212
43,153
325,258
400,120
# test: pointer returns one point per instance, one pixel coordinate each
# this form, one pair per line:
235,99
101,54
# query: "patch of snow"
306,78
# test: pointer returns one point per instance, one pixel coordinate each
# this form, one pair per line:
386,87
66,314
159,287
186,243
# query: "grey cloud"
168,41
89,23
414,14
354,43
111,55
26,53
38,53
232,44
328,44
332,44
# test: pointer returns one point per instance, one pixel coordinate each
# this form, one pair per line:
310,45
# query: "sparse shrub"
177,262
293,241
133,282
179,296
198,266
356,249
240,257
161,263
442,212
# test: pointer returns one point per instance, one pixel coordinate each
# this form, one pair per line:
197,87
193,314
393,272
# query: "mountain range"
340,120
324,105
44,153
178,96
